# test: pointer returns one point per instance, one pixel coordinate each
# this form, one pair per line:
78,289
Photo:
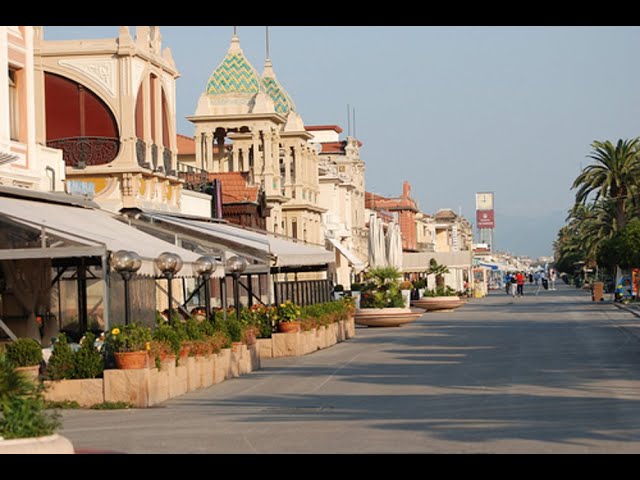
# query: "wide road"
552,373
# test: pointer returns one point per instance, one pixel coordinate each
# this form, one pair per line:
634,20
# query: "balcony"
195,178
80,152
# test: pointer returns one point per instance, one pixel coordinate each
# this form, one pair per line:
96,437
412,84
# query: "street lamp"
236,265
204,267
126,263
169,264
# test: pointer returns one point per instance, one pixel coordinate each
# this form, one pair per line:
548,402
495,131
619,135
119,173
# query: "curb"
632,311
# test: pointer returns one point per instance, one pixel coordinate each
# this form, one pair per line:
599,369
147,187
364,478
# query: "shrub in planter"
87,361
165,333
356,287
421,283
338,288
406,285
234,329
24,352
382,289
129,338
61,365
22,406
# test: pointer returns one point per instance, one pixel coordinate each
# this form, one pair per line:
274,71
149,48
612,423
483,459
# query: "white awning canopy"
96,231
283,253
348,254
415,262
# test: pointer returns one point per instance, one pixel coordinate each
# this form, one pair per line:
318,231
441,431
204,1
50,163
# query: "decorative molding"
102,71
137,69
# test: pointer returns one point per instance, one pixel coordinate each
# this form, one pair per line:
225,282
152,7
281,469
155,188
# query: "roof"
234,74
283,103
236,187
186,145
445,214
317,128
377,202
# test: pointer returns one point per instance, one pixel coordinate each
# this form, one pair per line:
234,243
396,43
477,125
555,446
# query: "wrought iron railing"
303,292
79,152
195,178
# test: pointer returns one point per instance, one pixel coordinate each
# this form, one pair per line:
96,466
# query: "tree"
623,248
614,175
437,270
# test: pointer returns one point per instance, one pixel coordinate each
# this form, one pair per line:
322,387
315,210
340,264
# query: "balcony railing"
195,178
79,152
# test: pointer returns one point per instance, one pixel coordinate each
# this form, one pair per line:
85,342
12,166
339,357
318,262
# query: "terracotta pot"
32,372
184,351
131,360
289,327
251,336
236,346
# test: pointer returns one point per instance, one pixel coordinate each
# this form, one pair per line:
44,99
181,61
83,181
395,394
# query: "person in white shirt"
552,279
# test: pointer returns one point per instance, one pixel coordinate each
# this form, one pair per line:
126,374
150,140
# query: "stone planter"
442,304
52,444
386,317
32,372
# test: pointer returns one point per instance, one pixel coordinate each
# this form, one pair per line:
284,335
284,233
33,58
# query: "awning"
283,253
415,262
348,254
97,230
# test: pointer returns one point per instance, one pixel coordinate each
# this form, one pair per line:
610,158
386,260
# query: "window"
14,118
294,228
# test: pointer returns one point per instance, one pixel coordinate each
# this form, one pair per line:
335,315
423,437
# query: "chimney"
406,189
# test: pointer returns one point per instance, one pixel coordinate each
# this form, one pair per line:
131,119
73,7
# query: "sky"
453,110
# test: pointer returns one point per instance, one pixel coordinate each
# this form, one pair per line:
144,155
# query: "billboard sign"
485,219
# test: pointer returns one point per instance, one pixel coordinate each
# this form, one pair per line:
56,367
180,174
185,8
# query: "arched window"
79,123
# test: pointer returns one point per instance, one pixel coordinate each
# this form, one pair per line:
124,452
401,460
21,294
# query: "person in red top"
520,282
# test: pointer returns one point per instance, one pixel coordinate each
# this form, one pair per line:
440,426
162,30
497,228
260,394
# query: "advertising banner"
485,219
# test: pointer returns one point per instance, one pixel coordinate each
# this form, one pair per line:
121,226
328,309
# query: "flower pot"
184,351
131,360
289,327
250,336
32,372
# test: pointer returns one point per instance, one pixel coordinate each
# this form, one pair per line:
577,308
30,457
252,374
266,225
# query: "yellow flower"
115,331
148,345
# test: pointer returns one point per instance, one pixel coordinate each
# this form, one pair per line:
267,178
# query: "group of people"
514,281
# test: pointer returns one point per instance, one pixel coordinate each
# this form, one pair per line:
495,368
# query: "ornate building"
342,188
109,104
25,160
246,122
406,209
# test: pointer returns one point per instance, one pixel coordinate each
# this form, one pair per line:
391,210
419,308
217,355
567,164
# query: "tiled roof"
445,214
186,145
235,74
377,202
235,187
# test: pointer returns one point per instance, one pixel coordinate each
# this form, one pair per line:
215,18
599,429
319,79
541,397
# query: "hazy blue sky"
454,110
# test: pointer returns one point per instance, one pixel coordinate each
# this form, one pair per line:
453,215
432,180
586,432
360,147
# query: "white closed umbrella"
376,242
394,246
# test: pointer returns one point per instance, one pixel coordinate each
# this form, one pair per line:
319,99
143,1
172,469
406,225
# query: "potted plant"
421,286
338,291
444,299
235,331
25,425
356,292
405,289
382,303
288,314
26,355
129,345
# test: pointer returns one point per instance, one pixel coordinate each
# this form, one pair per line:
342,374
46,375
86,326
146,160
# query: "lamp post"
236,265
204,267
169,264
126,263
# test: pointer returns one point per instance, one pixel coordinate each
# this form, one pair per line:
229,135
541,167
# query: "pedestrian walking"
530,277
507,283
542,280
553,275
520,283
536,278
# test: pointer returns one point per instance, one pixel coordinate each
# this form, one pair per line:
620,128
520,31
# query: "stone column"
267,168
258,161
198,143
208,141
235,160
287,170
146,116
299,177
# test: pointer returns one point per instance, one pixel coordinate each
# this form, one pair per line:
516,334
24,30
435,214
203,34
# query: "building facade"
342,188
109,104
246,122
406,209
25,160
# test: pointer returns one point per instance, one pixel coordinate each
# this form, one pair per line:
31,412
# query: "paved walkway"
554,373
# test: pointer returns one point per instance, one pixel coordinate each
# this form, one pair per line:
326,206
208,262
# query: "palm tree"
614,175
437,270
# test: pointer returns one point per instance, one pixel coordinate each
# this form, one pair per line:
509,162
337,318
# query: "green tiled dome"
282,101
234,74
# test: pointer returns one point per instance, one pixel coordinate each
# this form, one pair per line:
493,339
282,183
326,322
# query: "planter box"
158,386
52,444
130,386
265,347
255,356
286,344
350,328
86,392
321,337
